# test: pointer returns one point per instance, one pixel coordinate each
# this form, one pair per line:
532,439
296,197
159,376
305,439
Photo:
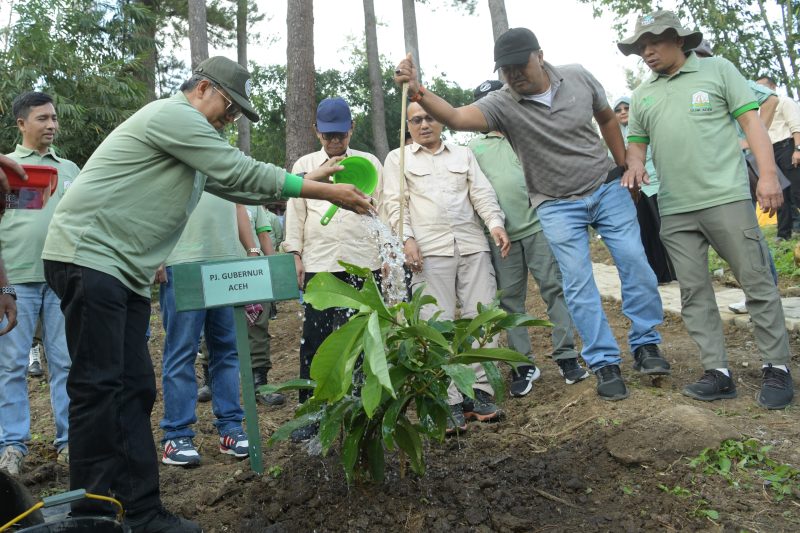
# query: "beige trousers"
465,279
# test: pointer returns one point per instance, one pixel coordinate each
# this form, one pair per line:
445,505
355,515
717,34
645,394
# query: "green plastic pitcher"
358,171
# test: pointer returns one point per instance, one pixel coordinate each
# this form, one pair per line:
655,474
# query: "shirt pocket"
419,179
456,179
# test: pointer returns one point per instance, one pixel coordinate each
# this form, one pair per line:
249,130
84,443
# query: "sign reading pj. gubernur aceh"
238,282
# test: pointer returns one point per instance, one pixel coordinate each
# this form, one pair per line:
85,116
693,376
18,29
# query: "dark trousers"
112,389
317,325
650,226
791,195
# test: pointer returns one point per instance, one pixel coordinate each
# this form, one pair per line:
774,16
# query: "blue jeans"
612,213
181,339
33,300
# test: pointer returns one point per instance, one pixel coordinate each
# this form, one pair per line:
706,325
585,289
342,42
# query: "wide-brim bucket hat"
657,23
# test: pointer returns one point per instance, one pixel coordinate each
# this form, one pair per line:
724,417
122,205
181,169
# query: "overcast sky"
451,41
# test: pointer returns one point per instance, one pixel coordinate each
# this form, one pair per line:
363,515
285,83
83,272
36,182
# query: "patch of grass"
275,471
677,490
739,462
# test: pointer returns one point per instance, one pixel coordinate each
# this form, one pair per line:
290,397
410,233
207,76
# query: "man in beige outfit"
319,248
445,246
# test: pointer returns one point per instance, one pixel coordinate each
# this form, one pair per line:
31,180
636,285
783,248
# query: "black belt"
614,174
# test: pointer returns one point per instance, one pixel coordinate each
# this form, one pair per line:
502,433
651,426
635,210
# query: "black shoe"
647,359
456,423
161,521
35,369
571,370
204,392
259,379
304,433
610,385
777,389
482,408
522,379
712,385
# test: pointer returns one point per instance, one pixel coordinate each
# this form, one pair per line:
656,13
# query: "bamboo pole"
403,104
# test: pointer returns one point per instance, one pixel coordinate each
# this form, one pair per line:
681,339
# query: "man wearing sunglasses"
447,196
319,248
120,219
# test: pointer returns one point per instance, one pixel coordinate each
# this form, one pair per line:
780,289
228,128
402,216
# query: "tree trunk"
300,94
146,35
791,42
497,10
375,83
243,140
198,32
410,32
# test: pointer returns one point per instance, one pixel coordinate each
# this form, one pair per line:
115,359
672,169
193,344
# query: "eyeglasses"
621,109
335,135
233,111
416,121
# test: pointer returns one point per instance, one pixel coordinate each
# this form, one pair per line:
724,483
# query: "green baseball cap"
656,23
232,77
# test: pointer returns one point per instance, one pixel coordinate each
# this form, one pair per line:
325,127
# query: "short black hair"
23,103
192,82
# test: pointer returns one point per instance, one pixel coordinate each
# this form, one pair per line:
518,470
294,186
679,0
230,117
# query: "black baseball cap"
485,88
514,47
232,77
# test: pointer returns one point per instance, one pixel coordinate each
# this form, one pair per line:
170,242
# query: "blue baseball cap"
333,115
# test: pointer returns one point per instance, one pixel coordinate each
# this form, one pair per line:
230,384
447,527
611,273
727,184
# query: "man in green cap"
684,112
116,224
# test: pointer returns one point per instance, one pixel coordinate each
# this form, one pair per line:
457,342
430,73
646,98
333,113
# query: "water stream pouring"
358,171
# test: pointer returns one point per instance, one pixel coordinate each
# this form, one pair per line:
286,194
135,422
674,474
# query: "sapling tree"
380,381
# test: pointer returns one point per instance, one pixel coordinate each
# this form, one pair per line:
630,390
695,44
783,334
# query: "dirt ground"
561,460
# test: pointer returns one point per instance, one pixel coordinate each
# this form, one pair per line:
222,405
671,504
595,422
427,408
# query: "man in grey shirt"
546,114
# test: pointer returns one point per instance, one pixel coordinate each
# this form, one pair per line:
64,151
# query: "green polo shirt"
276,233
22,231
688,120
127,208
211,234
259,221
500,165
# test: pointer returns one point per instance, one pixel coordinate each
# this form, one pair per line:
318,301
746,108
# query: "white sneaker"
11,460
739,308
35,355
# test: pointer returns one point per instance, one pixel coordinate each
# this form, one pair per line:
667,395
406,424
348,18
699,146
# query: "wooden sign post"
238,283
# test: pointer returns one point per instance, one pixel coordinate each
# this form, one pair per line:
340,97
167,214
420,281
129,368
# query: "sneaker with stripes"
235,444
180,452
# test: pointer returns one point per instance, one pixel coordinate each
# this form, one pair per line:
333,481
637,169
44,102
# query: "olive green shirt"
688,120
276,231
259,222
22,231
127,208
211,234
501,166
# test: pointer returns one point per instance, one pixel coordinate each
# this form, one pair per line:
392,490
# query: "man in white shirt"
319,248
447,197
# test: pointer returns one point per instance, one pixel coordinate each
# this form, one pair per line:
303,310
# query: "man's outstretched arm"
465,118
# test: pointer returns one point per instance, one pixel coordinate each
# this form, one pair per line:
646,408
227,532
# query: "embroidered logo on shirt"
647,101
701,103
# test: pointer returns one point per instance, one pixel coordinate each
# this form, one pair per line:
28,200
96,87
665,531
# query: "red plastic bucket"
36,191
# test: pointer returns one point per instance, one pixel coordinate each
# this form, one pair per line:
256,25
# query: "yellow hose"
39,505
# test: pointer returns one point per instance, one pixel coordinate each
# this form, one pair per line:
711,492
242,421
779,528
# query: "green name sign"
235,282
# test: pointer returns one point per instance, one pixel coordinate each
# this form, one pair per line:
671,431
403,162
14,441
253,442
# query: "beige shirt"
346,236
786,120
446,193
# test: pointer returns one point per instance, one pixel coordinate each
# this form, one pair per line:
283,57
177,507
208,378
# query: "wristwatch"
9,290
254,251
797,148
